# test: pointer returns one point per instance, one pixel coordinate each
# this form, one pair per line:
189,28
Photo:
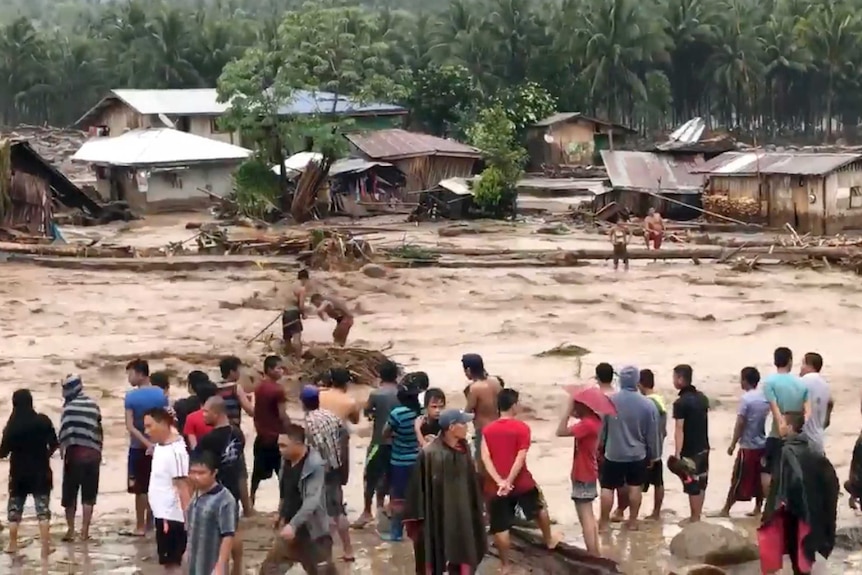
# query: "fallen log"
68,250
529,553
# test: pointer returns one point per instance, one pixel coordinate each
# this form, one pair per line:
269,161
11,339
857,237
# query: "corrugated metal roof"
651,172
355,166
204,102
398,144
777,163
458,186
155,147
566,116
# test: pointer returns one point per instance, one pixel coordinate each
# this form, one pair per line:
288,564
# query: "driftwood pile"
363,364
744,209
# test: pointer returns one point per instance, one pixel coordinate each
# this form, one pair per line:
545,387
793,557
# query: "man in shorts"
270,419
294,313
505,443
691,437
619,235
655,474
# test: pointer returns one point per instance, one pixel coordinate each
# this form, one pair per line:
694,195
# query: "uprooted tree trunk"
305,197
530,554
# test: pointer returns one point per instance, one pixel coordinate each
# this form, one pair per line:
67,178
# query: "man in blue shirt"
785,392
144,397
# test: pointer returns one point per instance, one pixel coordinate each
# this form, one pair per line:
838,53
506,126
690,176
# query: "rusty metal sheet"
776,163
651,172
397,144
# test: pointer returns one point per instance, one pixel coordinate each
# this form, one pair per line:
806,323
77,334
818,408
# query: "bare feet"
555,540
11,549
632,525
654,517
617,516
68,537
250,512
603,527
362,521
722,513
754,513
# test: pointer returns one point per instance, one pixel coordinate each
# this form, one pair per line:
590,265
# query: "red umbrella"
592,397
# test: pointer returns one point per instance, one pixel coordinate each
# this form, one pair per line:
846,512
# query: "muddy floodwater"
656,315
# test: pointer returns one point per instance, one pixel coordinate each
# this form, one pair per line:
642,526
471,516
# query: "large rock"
713,544
374,271
849,538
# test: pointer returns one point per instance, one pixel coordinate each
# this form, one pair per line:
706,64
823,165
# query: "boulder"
713,544
373,271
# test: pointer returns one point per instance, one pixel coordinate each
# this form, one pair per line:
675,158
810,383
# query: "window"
856,196
214,127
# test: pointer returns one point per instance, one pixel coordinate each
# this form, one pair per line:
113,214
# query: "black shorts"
140,465
501,510
771,454
291,323
701,474
617,474
170,541
655,476
80,476
377,469
267,460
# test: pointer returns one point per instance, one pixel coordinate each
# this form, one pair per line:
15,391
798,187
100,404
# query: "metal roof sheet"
204,102
566,116
776,163
157,146
398,144
651,172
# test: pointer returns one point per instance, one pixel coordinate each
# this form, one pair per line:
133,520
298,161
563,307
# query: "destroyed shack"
160,169
815,193
568,138
31,188
643,180
451,199
357,184
424,159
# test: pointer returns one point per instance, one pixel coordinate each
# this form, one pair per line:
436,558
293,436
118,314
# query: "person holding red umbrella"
587,405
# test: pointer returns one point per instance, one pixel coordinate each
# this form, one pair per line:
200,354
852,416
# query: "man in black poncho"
443,508
801,506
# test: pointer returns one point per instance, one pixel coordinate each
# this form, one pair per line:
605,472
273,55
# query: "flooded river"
656,315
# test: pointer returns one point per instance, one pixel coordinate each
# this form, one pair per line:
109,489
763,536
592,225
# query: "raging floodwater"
54,322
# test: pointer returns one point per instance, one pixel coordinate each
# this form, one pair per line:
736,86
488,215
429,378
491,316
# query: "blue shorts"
399,477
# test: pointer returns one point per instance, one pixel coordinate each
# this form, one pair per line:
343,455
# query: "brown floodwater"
657,315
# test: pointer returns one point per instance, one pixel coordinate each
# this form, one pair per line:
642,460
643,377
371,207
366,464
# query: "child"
585,467
655,475
427,426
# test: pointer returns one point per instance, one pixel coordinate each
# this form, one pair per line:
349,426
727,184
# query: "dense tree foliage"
771,66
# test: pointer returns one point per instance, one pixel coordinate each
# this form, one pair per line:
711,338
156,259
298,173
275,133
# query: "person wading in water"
294,313
336,309
619,235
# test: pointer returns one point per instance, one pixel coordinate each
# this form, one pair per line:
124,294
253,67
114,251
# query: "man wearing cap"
444,493
481,391
631,446
325,432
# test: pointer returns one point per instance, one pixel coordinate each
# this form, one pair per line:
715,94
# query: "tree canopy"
773,67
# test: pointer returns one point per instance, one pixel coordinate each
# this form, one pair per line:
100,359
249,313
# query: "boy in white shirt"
169,491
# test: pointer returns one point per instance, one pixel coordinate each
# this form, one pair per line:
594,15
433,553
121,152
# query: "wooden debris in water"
363,364
528,552
565,350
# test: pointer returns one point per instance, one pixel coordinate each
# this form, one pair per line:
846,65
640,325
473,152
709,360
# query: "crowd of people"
188,474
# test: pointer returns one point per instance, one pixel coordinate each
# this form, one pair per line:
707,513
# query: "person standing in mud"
326,433
294,313
785,392
225,442
691,437
505,443
336,399
481,392
653,229
213,519
144,397
655,474
270,418
750,434
81,450
820,400
236,401
444,492
169,491
28,441
303,523
380,404
619,235
405,449
335,308
632,445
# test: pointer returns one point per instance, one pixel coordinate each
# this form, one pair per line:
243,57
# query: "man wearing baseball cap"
433,506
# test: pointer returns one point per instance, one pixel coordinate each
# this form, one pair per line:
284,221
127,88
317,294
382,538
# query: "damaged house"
161,169
425,160
571,138
817,193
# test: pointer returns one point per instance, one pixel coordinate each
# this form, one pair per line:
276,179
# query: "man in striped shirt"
326,434
236,401
81,448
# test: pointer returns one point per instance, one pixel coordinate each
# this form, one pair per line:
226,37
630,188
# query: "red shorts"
746,474
655,237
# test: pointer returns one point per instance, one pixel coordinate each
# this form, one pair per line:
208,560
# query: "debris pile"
745,209
56,145
363,364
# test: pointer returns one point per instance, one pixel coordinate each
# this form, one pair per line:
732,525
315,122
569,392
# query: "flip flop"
130,533
361,523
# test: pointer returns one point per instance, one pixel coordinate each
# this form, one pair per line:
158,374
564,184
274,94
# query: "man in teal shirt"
785,393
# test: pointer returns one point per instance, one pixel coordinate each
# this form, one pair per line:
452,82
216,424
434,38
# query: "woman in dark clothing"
29,440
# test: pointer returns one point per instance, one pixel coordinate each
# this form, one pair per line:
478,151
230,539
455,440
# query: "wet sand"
656,315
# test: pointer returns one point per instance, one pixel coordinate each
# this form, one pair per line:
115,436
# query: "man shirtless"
653,229
336,399
294,313
481,392
335,308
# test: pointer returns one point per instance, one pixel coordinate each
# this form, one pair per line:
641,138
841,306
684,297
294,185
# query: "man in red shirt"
585,467
504,454
270,420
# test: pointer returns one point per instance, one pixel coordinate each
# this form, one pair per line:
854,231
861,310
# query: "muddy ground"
657,315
